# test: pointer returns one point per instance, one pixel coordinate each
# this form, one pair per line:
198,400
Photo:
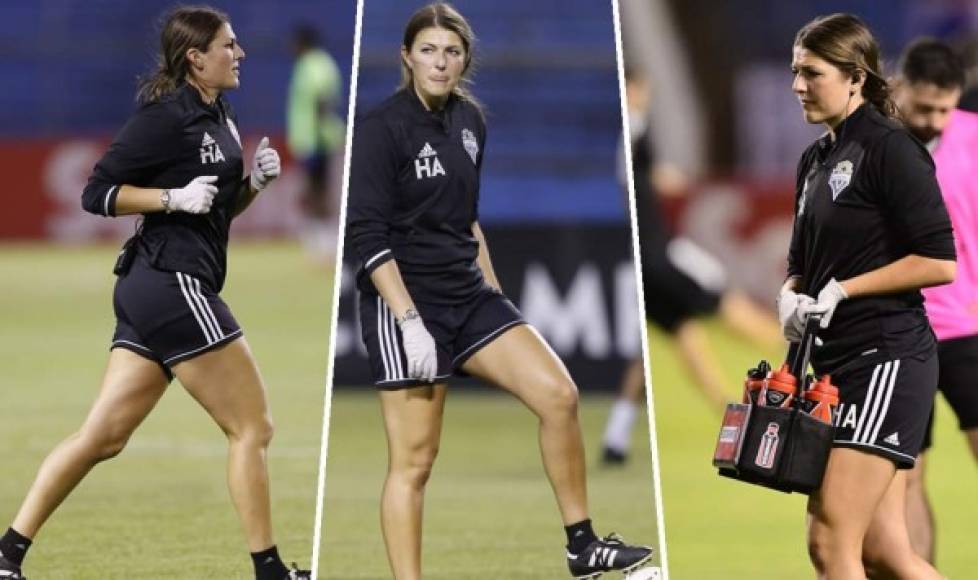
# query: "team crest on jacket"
840,177
470,144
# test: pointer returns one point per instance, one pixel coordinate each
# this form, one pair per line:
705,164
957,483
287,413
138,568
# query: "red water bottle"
755,381
821,400
779,388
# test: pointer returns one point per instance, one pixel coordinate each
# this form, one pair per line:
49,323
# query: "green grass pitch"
489,511
718,528
161,509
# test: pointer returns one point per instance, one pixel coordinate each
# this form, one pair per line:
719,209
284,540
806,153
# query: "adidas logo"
893,439
210,151
427,151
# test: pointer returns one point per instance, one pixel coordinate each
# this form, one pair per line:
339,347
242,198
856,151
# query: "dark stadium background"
69,72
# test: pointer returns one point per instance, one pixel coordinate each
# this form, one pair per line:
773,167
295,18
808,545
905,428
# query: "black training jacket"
414,193
864,201
166,144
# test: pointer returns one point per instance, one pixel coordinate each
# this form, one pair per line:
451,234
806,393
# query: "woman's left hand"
826,303
265,167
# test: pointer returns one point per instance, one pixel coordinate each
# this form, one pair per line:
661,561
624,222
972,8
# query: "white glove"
265,167
196,197
790,305
828,300
422,356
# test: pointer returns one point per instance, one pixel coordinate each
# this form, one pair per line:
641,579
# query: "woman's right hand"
196,197
791,315
419,346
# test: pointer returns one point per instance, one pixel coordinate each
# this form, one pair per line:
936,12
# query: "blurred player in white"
682,284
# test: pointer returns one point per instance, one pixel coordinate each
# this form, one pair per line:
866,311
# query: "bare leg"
226,382
520,362
131,387
886,549
412,420
858,488
698,357
920,516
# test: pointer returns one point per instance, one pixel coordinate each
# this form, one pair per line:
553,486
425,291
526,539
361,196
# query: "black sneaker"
605,554
296,574
9,570
612,457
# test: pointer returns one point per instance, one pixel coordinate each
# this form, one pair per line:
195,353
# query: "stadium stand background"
69,70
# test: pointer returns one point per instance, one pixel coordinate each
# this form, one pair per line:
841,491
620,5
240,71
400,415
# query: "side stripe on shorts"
387,337
201,309
877,402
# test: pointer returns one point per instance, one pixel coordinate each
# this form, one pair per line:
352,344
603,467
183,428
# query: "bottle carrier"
780,447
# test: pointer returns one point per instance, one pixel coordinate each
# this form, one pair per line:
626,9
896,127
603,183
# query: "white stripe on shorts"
382,338
864,410
205,308
877,402
392,328
873,404
193,308
886,402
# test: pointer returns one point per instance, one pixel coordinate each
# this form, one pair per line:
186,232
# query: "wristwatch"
411,314
165,200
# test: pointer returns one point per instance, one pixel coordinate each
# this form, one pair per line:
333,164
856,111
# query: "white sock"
618,433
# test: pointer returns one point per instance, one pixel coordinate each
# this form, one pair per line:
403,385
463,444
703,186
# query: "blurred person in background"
926,91
870,231
683,285
178,162
431,305
314,133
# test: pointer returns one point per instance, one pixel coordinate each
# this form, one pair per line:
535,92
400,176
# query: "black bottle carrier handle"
781,448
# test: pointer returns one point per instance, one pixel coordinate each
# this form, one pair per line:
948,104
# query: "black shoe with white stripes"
9,570
606,554
296,574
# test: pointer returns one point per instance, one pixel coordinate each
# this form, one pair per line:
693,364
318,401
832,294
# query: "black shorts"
884,406
681,282
958,381
459,332
169,317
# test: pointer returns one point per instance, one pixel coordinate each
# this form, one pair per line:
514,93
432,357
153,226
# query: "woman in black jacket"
178,162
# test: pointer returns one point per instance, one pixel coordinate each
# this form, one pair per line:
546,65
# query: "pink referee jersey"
953,308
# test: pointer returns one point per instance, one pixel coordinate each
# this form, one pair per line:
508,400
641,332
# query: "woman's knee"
102,444
415,465
561,395
254,433
819,547
831,543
